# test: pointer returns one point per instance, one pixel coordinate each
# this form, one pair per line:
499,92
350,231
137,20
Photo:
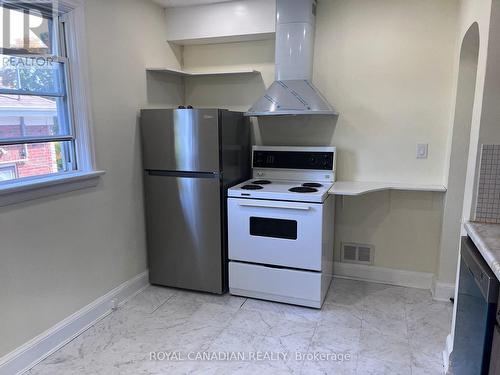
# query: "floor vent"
357,253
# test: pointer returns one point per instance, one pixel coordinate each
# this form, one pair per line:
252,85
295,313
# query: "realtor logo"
27,26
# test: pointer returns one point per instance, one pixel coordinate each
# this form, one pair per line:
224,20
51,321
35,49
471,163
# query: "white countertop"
352,188
486,237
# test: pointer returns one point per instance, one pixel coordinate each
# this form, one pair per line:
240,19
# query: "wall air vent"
357,253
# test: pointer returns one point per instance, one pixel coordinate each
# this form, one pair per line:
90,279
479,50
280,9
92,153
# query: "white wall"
475,11
470,12
58,254
234,92
468,51
405,227
486,111
387,66
490,128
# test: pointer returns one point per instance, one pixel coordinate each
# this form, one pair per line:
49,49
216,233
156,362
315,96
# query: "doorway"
453,204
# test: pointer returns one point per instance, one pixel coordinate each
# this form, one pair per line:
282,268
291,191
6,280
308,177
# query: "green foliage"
30,78
59,157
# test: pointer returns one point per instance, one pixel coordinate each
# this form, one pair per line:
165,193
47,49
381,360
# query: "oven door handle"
268,205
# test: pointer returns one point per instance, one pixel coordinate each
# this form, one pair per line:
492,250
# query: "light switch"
422,150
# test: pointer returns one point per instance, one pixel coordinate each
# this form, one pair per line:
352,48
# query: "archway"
453,205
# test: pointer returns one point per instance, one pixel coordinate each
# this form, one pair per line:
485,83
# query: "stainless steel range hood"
292,93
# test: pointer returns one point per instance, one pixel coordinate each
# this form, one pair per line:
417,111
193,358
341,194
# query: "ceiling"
185,3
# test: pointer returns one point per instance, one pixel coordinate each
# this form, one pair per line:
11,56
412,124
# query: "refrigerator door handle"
183,174
270,205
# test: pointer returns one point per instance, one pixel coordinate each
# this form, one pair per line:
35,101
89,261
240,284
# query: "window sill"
20,191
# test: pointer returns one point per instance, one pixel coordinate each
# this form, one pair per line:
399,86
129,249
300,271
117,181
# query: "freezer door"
180,140
184,232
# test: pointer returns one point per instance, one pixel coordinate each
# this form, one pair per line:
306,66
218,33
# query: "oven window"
276,228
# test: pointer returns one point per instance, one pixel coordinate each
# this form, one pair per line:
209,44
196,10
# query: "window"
36,132
44,127
8,172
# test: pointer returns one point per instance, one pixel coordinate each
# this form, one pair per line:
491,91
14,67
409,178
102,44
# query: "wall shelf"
221,22
354,188
186,73
224,39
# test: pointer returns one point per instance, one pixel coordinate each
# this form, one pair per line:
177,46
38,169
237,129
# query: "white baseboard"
442,291
25,357
412,279
447,352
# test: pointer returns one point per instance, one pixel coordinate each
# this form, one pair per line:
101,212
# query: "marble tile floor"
363,328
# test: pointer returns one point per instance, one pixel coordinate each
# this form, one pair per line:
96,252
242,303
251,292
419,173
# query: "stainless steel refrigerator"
190,158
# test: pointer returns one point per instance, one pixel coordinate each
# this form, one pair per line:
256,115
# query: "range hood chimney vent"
292,92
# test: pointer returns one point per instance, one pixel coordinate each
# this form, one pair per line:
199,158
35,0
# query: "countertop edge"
492,259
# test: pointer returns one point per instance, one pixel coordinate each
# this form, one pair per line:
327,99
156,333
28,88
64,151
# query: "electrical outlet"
422,150
114,304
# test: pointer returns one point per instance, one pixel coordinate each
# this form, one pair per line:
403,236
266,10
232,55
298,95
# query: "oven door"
287,234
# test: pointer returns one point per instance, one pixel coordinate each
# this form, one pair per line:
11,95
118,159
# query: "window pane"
41,75
8,173
32,116
29,160
26,30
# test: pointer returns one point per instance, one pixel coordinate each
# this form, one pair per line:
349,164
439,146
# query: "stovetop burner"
261,182
312,185
303,189
251,187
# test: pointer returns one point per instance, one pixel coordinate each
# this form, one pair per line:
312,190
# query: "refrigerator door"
180,140
184,230
235,147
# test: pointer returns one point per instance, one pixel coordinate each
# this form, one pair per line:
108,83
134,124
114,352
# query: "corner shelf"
355,188
186,73
258,36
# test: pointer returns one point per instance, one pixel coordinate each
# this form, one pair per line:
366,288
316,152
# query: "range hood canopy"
292,93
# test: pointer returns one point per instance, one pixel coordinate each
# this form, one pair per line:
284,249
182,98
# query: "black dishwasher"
476,313
495,352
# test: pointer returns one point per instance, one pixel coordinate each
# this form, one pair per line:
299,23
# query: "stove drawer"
304,288
278,233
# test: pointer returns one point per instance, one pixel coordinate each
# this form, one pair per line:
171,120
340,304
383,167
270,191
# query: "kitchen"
414,85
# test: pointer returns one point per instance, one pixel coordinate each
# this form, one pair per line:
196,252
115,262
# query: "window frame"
86,173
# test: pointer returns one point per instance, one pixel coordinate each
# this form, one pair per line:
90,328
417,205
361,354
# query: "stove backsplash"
488,197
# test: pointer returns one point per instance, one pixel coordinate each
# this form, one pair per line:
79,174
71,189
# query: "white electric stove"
282,190
280,226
